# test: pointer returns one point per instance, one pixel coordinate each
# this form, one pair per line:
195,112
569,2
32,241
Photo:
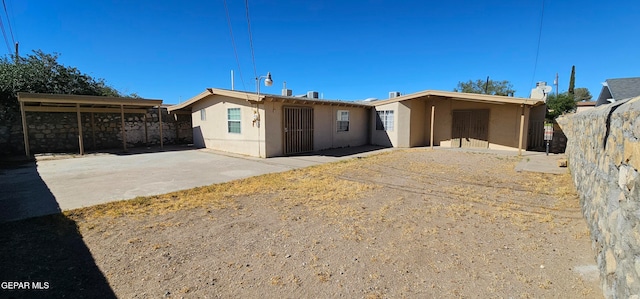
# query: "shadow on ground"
46,254
24,193
118,151
342,152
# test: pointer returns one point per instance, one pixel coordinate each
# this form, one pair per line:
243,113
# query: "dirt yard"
410,223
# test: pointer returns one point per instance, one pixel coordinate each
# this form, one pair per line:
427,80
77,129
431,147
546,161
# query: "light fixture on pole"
267,82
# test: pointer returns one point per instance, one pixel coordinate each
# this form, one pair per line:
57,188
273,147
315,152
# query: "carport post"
521,132
124,135
93,131
24,130
80,144
433,113
160,122
146,134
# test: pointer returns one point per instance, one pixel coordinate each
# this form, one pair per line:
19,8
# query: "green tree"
500,88
581,94
572,80
41,73
559,105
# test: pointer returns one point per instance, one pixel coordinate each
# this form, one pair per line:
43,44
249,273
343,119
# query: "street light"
267,82
256,114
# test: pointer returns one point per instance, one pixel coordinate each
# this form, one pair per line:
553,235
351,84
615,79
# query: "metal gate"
470,128
298,130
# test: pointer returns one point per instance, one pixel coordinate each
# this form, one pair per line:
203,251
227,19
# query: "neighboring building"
274,125
618,89
583,106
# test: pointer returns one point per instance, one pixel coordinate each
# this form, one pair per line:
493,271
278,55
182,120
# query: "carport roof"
43,102
53,102
253,97
471,97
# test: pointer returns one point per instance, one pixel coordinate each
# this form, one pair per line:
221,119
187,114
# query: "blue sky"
349,50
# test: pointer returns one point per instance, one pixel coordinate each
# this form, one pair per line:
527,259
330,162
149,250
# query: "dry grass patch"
313,187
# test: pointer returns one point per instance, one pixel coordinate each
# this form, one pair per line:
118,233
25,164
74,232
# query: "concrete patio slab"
56,183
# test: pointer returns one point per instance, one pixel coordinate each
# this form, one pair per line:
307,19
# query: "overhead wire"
4,34
4,3
235,51
253,56
535,65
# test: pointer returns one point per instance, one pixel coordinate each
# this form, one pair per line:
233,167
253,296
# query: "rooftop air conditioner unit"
287,92
394,94
312,94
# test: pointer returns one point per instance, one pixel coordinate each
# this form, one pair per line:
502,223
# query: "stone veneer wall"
604,157
51,132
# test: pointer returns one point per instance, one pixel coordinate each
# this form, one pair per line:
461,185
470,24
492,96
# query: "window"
343,120
203,114
233,120
384,120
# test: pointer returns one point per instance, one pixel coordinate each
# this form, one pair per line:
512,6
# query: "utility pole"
17,58
556,83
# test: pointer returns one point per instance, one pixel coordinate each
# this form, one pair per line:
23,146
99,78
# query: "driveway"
52,184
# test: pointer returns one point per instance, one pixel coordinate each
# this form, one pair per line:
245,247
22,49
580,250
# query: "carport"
37,102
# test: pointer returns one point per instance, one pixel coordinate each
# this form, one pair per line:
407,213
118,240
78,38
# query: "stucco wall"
604,157
400,136
266,141
387,138
213,131
418,122
325,131
413,123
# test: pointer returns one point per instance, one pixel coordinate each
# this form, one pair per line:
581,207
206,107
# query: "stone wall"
53,132
604,157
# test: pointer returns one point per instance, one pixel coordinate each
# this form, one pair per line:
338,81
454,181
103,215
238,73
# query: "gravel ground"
414,224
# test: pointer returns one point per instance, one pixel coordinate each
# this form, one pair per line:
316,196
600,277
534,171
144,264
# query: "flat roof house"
453,119
273,125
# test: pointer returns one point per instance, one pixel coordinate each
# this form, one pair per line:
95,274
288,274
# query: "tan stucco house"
453,119
273,125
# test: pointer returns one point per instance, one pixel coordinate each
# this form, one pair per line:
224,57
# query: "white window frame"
385,120
203,114
233,121
342,119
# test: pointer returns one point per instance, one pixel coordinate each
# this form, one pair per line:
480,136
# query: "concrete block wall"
58,132
604,157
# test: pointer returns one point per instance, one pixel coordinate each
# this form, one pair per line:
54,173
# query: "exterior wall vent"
394,94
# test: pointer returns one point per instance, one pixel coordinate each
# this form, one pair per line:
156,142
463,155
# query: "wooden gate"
536,135
298,130
470,128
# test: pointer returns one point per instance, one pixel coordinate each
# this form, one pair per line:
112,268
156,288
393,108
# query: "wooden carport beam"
80,144
433,113
521,132
160,122
124,135
24,130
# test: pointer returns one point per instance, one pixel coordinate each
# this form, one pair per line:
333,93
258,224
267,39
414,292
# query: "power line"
253,57
8,21
235,51
535,65
4,34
